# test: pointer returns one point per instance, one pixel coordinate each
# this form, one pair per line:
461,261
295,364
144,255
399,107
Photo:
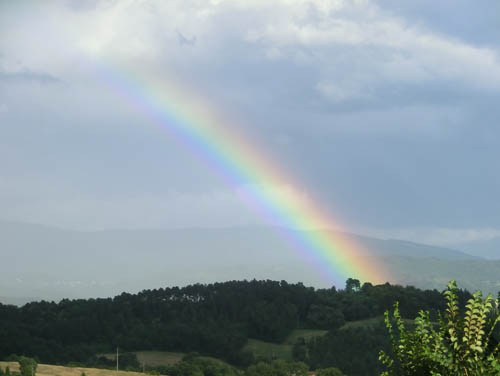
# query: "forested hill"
215,319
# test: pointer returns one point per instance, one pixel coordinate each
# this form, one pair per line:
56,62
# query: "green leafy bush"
27,366
455,346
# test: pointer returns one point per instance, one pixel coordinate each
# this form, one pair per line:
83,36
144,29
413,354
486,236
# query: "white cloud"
386,48
400,50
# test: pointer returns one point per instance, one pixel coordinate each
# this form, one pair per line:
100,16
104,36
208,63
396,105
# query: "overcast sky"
384,113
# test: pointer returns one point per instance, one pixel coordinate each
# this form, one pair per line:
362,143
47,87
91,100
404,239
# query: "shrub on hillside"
458,346
27,366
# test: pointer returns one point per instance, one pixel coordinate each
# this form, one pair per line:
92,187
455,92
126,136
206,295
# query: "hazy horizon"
52,263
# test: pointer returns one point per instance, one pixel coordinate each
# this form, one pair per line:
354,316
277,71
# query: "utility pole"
117,359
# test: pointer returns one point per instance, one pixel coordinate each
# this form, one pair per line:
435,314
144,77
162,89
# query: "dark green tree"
352,285
354,350
458,346
299,350
295,369
260,369
27,366
129,361
321,316
278,368
188,369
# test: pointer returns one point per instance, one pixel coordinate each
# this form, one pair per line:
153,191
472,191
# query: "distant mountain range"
51,263
489,249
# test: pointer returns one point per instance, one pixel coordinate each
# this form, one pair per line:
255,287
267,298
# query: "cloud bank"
384,112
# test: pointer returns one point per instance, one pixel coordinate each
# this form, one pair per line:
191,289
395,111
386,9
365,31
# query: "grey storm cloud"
28,76
383,112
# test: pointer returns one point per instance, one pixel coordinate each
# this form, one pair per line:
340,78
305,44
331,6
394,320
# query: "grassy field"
304,333
363,323
258,348
159,358
153,358
280,350
261,349
48,370
371,322
284,350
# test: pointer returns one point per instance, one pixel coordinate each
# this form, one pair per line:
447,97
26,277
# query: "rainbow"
193,123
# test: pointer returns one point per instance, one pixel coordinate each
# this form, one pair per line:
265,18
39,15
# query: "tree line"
212,319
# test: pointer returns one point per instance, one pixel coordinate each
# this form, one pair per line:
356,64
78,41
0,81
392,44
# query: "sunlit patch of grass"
304,333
